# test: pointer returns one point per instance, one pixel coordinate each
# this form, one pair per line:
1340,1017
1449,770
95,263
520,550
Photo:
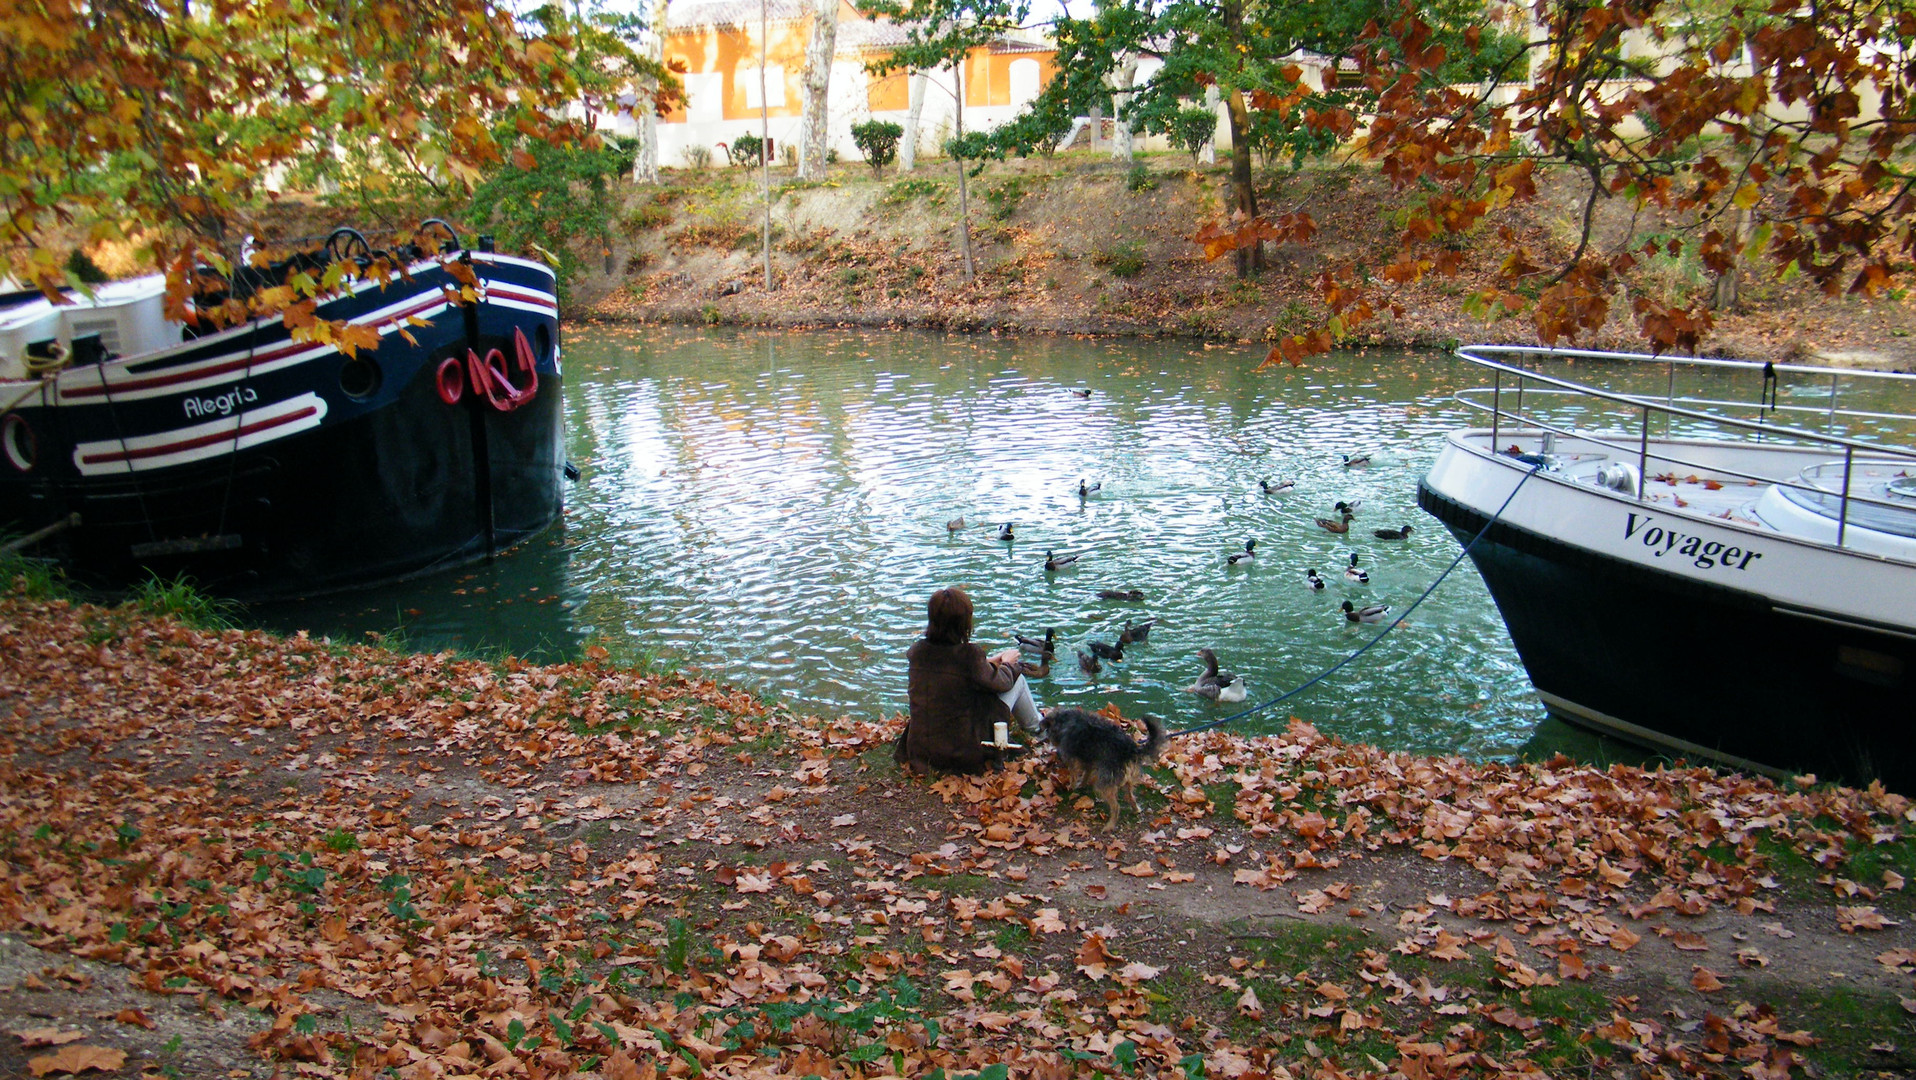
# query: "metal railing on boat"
1552,387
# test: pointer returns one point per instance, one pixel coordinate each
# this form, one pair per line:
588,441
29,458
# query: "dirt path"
229,854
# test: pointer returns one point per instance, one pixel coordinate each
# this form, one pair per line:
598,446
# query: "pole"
765,135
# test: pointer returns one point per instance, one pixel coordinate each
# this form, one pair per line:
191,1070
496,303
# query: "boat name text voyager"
1705,553
224,404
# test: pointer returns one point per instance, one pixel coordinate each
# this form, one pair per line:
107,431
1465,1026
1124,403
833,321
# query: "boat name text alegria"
1704,553
223,405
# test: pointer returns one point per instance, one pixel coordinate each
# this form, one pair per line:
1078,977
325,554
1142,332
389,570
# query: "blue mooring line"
1392,625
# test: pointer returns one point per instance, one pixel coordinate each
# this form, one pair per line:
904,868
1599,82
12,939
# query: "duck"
1085,491
1120,594
1276,488
1084,393
1139,632
1341,525
1106,652
1089,663
954,524
1353,460
1046,645
1312,581
1348,509
1216,684
1352,573
1402,532
1247,555
1058,562
1004,532
1369,613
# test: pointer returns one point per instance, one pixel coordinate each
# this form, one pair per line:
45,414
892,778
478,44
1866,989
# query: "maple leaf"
1705,980
77,1058
1852,919
1249,1005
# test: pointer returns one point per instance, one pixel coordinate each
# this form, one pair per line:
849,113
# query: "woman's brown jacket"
954,703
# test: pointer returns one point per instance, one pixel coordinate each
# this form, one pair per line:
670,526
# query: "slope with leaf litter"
382,864
1074,245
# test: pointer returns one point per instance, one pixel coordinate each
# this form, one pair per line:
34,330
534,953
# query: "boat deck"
1780,488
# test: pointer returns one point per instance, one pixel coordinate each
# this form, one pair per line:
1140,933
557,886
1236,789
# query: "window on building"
774,86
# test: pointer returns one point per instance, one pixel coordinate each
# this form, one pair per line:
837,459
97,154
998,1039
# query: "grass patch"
960,884
181,600
1288,948
36,579
1848,1021
905,191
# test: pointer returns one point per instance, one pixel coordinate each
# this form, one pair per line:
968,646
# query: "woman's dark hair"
950,617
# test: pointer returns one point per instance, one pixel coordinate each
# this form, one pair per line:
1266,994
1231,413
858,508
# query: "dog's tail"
1154,741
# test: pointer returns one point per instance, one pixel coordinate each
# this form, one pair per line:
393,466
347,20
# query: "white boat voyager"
1712,557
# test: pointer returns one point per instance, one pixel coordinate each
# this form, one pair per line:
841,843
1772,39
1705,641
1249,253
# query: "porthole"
359,378
18,442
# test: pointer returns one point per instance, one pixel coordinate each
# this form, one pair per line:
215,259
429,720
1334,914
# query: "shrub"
698,157
1124,259
878,141
1190,128
747,149
1139,178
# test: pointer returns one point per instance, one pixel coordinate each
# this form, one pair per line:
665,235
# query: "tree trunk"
765,131
1097,124
1726,294
645,167
908,148
1208,152
816,137
958,126
1249,259
1122,146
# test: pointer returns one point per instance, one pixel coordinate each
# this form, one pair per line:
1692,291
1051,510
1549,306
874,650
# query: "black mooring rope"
1388,627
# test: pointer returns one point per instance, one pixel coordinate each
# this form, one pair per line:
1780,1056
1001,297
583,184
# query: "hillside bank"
232,854
1080,245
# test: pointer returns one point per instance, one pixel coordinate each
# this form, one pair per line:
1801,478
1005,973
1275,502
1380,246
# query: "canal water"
773,509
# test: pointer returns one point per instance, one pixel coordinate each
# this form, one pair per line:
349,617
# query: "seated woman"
958,693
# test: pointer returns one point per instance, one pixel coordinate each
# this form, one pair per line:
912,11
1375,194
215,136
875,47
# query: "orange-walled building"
717,42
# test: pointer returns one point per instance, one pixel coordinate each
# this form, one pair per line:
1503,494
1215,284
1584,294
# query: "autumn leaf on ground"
70,1060
1705,980
46,1036
1249,1006
1852,919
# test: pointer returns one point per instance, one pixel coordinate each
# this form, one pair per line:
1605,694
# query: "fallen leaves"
755,890
74,1059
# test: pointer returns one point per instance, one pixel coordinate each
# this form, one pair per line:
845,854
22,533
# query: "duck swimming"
1352,573
1106,652
1140,632
1277,488
1120,594
1047,645
1340,525
1370,613
1400,533
1348,509
1314,582
1089,663
954,524
1247,555
1216,684
1085,491
1352,460
1004,532
1054,562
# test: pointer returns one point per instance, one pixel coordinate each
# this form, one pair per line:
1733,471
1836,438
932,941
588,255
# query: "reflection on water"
772,508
